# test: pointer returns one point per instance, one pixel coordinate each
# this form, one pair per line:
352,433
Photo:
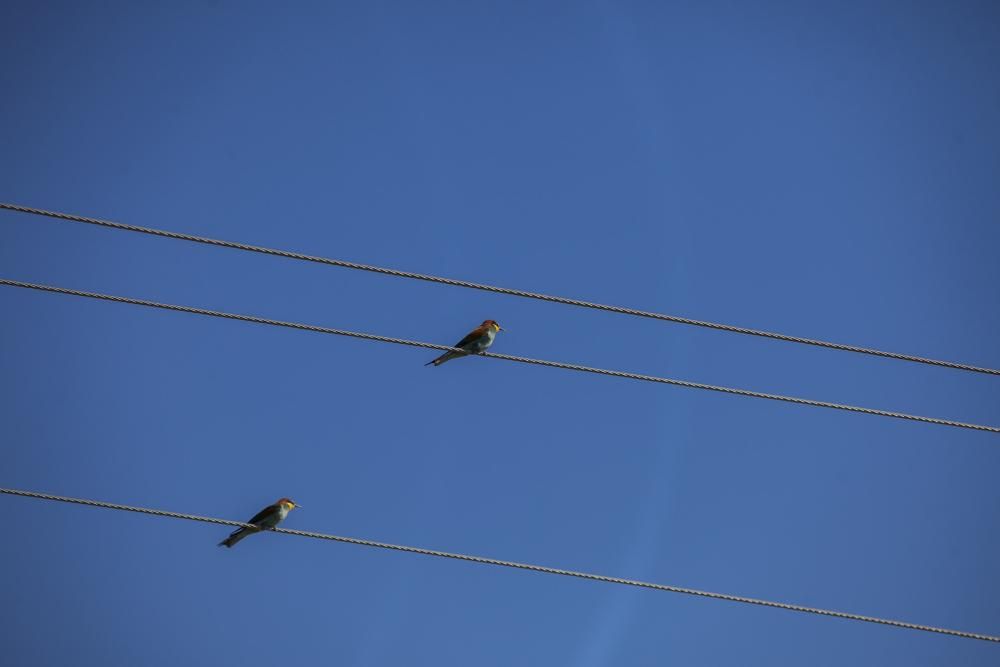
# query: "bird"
266,519
475,342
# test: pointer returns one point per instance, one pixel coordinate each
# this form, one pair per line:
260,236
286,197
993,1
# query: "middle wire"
493,355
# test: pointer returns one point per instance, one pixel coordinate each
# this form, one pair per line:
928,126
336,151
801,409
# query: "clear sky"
821,169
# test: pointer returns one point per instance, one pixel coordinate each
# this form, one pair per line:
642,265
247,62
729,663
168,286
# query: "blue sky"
825,171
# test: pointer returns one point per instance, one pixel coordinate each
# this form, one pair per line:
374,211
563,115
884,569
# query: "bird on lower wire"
477,341
266,519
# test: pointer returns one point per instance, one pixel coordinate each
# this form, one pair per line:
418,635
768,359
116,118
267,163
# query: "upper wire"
499,290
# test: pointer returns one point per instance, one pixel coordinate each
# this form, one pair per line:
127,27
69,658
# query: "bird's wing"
473,335
263,514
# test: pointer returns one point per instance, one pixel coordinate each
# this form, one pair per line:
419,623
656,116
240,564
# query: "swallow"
266,519
476,342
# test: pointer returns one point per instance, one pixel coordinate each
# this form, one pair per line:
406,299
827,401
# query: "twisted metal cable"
520,566
499,290
493,355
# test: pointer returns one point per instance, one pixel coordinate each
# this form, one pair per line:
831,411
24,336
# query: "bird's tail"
447,356
235,537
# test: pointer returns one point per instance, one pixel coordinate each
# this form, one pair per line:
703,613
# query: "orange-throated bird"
266,519
477,341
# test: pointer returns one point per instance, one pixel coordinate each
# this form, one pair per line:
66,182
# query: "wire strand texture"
499,290
511,564
492,355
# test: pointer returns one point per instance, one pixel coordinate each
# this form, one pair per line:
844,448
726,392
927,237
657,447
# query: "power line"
499,290
512,564
493,355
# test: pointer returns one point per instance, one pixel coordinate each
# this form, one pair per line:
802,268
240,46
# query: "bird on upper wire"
476,341
266,519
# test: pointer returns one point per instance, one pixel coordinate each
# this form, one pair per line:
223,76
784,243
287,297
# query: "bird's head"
491,324
288,503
